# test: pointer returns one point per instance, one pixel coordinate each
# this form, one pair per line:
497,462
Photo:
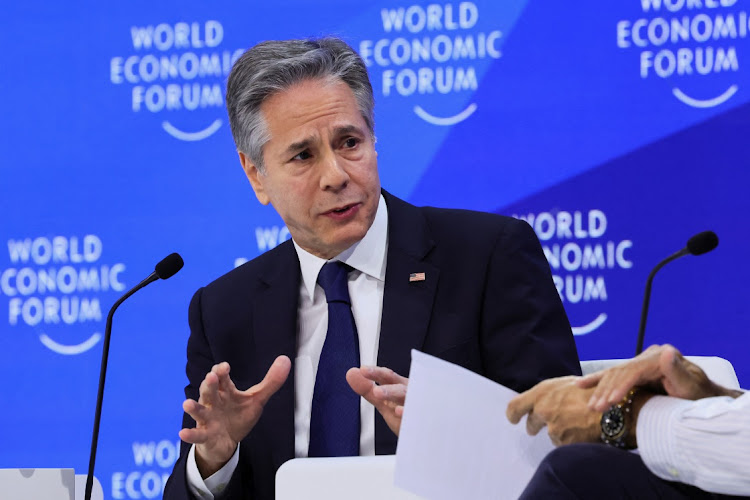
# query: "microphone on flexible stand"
697,245
166,268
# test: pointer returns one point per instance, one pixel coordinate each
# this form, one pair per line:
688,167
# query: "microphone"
697,245
166,268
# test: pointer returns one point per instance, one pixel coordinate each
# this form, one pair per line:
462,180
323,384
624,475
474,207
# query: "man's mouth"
342,211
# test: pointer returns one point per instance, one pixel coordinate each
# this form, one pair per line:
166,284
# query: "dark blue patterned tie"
334,420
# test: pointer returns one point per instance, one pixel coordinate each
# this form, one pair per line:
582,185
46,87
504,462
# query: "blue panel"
617,129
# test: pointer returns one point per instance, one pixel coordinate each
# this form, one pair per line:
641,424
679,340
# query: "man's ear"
255,178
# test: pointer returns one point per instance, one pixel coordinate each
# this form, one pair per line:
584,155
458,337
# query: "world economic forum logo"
176,69
581,254
431,50
682,39
53,286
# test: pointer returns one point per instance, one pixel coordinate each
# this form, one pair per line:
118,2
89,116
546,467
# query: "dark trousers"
594,471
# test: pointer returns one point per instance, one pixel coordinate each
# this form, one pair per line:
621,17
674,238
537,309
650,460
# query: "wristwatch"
614,422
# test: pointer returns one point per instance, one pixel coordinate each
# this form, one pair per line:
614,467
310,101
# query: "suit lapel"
275,333
407,305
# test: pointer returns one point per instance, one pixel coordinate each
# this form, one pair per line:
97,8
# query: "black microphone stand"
647,297
102,375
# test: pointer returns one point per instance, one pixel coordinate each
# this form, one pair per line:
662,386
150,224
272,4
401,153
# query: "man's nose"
333,175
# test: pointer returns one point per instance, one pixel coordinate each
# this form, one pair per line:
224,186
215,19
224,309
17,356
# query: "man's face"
321,172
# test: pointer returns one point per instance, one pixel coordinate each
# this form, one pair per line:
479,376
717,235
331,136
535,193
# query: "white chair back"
47,484
340,478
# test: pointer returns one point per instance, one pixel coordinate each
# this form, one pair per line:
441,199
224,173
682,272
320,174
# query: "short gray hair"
272,67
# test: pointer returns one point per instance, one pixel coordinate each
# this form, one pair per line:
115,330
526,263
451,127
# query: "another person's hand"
561,405
224,415
384,389
662,369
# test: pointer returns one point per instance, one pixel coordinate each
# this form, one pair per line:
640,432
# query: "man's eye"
351,142
304,155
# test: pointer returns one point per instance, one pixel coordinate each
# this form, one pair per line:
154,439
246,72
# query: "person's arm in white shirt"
698,435
211,487
705,443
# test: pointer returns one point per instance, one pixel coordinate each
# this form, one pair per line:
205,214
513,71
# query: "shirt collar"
366,256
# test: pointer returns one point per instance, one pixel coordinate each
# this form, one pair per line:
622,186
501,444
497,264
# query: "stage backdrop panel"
616,129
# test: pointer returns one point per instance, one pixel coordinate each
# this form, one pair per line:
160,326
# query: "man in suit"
471,288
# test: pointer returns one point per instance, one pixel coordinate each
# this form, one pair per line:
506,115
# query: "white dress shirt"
366,285
704,443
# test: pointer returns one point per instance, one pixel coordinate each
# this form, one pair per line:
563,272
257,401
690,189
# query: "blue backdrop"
616,129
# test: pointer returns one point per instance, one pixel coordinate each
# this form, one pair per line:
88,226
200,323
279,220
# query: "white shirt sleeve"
212,486
704,443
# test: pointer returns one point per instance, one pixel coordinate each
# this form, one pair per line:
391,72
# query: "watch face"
613,422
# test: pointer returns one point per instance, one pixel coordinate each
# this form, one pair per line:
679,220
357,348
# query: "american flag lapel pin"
416,277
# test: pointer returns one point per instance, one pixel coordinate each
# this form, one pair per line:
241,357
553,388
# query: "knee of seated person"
568,463
562,471
569,457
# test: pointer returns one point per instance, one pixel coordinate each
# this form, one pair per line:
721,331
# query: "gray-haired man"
471,288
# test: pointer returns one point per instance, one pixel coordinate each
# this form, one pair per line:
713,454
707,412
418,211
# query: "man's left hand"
660,368
562,406
384,389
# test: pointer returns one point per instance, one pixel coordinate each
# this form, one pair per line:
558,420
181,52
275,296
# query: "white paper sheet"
455,440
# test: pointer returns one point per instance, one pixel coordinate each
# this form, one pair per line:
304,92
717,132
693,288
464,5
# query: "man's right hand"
224,415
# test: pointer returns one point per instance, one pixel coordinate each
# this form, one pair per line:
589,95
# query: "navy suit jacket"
488,303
